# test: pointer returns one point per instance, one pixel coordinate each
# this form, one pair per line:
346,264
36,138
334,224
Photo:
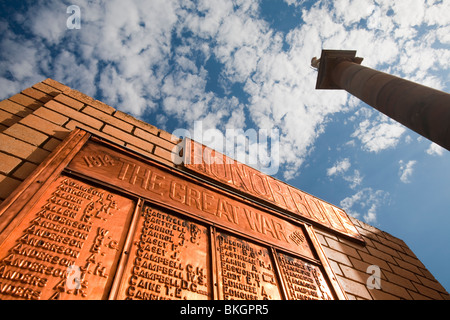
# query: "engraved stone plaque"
170,189
246,270
67,246
303,280
169,259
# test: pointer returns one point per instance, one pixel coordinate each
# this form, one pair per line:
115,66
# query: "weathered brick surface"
52,116
37,95
24,170
26,134
14,108
68,101
7,186
8,163
35,121
41,86
20,149
45,126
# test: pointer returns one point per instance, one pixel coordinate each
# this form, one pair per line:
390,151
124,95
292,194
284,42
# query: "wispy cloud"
339,167
365,204
406,170
379,135
435,149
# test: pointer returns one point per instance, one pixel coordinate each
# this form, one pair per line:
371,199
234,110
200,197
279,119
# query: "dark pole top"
420,108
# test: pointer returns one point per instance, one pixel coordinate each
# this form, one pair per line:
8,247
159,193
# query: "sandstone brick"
24,170
122,125
130,139
51,144
390,240
411,260
445,296
381,295
354,288
395,289
359,264
393,250
8,119
37,95
322,239
326,234
52,116
408,266
355,275
169,137
367,234
26,101
8,163
335,266
427,274
161,143
7,186
14,108
45,126
68,101
89,101
381,254
74,114
374,260
55,84
344,248
404,273
399,280
21,149
431,293
418,296
26,134
337,256
72,124
136,122
47,89
431,284
163,153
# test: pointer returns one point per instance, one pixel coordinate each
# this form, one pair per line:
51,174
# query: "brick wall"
35,121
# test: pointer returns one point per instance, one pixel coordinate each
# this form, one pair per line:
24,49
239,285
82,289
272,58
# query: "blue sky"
246,65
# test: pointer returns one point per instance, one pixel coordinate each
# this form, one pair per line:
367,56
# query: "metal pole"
420,108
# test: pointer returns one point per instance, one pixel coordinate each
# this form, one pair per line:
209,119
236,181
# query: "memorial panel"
303,280
101,222
67,246
171,189
169,259
245,270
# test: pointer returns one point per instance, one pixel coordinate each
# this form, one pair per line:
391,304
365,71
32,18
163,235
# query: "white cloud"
339,167
435,149
355,179
365,203
377,136
406,170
